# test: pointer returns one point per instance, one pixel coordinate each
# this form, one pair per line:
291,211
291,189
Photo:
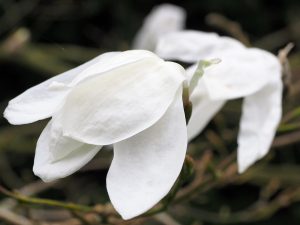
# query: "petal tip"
125,207
8,115
242,169
244,165
43,175
15,116
127,213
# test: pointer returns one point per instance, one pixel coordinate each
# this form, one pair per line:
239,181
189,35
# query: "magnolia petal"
146,166
240,73
202,113
113,61
42,100
192,46
48,168
204,108
122,102
162,19
260,118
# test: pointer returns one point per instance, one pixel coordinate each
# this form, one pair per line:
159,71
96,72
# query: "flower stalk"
187,104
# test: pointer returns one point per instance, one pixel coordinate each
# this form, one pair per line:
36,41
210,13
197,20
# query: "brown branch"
200,167
166,219
286,139
13,218
286,69
229,26
256,212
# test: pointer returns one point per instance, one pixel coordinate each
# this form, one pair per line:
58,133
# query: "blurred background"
39,39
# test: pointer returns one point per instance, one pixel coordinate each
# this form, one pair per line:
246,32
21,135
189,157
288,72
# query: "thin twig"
286,69
15,13
280,37
46,202
166,219
232,27
256,212
200,167
286,139
30,189
13,218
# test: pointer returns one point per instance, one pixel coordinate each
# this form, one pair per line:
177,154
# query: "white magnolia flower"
163,19
132,100
244,72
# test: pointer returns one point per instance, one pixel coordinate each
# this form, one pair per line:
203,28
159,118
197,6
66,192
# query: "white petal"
122,102
42,100
112,61
204,110
260,118
73,156
162,19
192,46
241,73
145,166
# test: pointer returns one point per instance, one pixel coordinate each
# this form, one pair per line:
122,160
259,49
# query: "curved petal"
113,61
146,166
203,111
192,46
260,117
74,155
240,73
122,102
42,100
162,19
